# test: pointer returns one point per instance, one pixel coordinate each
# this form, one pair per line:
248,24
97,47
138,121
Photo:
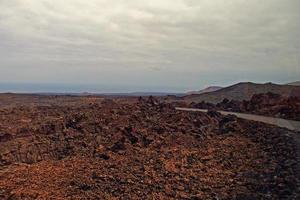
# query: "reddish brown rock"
130,149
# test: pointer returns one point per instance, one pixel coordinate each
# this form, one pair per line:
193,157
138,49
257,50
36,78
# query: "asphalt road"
284,123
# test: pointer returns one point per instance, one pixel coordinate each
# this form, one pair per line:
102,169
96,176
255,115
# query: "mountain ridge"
205,90
244,91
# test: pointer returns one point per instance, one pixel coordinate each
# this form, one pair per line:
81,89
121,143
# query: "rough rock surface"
268,104
141,150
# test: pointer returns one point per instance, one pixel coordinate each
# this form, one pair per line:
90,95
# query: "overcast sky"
157,45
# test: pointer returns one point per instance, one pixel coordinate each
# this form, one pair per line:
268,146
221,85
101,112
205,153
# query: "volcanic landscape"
67,147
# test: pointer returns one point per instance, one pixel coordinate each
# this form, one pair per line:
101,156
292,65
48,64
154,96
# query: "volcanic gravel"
141,150
268,104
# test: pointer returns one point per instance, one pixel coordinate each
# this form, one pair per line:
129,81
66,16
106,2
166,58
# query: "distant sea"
81,88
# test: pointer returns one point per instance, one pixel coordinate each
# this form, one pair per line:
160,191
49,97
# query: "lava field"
141,149
267,104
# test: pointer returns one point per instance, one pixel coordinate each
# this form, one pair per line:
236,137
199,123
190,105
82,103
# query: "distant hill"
244,91
208,89
297,83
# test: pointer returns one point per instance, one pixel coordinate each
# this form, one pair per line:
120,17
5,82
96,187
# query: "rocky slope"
206,90
141,150
268,104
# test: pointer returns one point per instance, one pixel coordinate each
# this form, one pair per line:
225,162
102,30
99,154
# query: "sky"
142,45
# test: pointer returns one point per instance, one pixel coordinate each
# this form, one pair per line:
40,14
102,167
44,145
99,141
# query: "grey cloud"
202,40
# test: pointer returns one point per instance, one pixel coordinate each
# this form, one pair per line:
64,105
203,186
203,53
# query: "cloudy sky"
157,45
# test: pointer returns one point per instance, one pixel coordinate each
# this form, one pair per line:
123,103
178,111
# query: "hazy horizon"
89,88
135,45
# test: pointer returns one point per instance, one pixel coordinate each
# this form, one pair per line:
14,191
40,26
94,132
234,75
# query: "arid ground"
63,147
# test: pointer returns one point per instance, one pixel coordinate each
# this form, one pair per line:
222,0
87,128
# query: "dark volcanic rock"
141,149
268,104
4,137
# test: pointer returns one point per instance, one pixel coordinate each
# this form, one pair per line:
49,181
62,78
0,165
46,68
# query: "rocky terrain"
94,148
268,104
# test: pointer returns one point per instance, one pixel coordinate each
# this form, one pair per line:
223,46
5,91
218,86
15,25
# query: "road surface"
284,123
